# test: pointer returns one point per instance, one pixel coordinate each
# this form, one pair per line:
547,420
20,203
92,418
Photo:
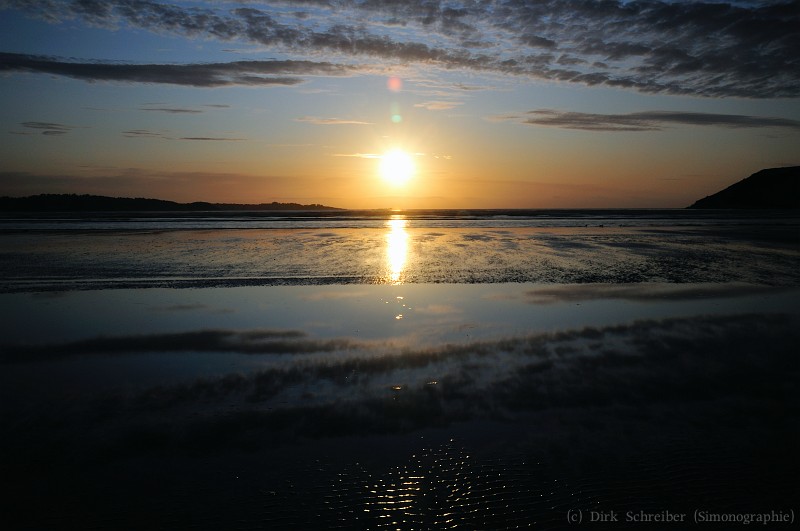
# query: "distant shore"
97,203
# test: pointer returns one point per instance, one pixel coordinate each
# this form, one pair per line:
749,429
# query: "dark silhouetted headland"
97,203
771,188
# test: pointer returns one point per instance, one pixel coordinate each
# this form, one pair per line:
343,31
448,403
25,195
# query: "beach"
399,265
399,371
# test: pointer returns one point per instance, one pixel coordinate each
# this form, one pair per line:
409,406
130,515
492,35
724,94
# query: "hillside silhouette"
98,203
766,189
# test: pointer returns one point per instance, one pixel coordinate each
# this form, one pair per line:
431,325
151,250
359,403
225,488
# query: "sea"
383,369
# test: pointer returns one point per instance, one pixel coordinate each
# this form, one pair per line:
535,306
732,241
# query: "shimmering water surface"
466,371
389,248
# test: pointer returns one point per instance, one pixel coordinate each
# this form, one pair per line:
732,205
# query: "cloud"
48,128
330,121
439,105
212,139
172,110
248,73
644,121
358,155
143,133
745,49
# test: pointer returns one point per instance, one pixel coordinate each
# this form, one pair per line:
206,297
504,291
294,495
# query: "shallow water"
395,254
411,406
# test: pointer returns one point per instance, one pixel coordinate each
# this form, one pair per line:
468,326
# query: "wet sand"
427,406
401,374
399,252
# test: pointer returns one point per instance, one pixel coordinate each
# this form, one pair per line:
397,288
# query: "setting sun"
396,166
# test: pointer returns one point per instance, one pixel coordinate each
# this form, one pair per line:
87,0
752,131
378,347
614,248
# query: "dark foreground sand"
399,407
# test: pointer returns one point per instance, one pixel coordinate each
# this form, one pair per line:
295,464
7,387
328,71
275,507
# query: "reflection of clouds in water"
182,307
642,292
326,295
648,414
671,409
48,294
438,309
232,341
745,361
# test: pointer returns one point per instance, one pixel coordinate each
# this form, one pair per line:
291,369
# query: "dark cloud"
143,133
712,49
48,128
647,120
253,73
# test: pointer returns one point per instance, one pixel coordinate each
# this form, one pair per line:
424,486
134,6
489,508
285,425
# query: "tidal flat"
401,374
424,406
399,251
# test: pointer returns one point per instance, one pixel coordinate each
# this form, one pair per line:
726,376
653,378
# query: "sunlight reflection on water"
396,247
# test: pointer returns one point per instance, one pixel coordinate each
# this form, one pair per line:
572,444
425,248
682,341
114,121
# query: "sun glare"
397,166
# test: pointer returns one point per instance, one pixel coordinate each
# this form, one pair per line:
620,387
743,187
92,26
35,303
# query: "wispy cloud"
358,155
644,121
212,138
330,121
729,48
172,110
439,105
248,73
143,133
48,128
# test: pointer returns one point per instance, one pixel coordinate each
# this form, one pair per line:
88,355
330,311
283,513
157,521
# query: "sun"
396,167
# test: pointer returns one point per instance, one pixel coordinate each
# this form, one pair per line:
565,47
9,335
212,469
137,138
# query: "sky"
490,104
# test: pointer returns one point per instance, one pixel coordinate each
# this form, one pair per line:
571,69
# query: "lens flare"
395,84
